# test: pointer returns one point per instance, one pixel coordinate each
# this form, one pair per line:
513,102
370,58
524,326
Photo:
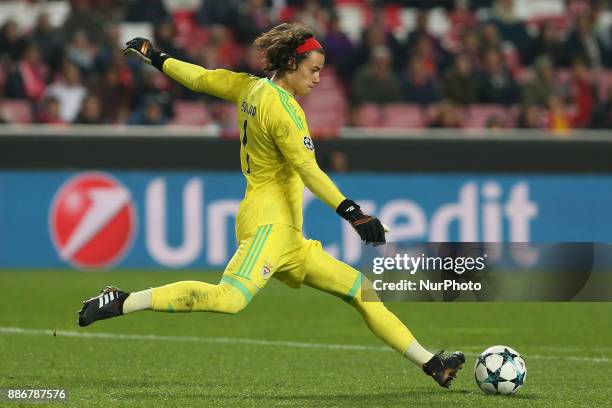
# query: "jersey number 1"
244,143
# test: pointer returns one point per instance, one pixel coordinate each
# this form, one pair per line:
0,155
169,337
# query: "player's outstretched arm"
221,83
298,148
369,228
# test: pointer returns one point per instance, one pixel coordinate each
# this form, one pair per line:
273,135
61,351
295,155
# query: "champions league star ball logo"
92,220
308,143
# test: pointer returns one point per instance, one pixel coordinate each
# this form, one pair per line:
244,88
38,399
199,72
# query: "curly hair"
280,45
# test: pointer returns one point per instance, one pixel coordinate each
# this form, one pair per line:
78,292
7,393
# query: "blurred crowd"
553,73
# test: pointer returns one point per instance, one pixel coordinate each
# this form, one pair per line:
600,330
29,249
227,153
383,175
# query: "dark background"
503,154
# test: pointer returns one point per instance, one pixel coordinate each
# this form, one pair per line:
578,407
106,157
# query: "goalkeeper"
277,160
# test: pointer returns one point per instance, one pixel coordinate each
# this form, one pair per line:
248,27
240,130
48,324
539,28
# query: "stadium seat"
367,115
402,116
329,81
190,113
325,125
326,120
16,111
226,116
430,113
324,101
479,114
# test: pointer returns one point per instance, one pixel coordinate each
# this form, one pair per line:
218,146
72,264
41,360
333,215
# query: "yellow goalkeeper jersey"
276,151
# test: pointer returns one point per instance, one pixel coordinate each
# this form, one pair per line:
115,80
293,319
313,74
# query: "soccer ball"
500,370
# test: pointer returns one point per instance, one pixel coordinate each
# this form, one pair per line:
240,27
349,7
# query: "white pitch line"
257,342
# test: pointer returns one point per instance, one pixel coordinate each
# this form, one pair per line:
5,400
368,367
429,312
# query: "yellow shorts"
274,250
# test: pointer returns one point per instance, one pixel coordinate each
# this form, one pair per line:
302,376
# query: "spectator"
115,93
4,117
154,86
327,4
461,82
376,82
208,57
151,114
480,4
510,27
530,117
313,15
470,46
84,17
605,37
548,43
421,31
251,19
91,112
419,86
494,124
11,42
431,58
373,36
583,94
49,41
164,35
252,62
69,91
447,116
228,54
538,90
108,52
461,19
421,40
50,112
496,84
559,122
583,43
28,79
490,38
338,46
213,12
152,11
602,117
477,75
81,52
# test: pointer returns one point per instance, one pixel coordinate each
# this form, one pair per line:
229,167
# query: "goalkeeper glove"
143,49
370,229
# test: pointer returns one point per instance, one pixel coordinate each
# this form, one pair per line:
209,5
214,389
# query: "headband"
309,45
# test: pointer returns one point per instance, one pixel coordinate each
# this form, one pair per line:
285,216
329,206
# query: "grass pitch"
288,348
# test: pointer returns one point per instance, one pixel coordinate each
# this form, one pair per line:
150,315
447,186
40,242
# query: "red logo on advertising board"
92,220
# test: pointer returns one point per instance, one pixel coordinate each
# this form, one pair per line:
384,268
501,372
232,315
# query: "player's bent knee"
232,300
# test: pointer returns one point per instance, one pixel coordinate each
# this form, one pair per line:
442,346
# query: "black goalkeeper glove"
143,49
370,229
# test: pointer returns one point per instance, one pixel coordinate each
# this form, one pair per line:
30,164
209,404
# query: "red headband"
309,45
